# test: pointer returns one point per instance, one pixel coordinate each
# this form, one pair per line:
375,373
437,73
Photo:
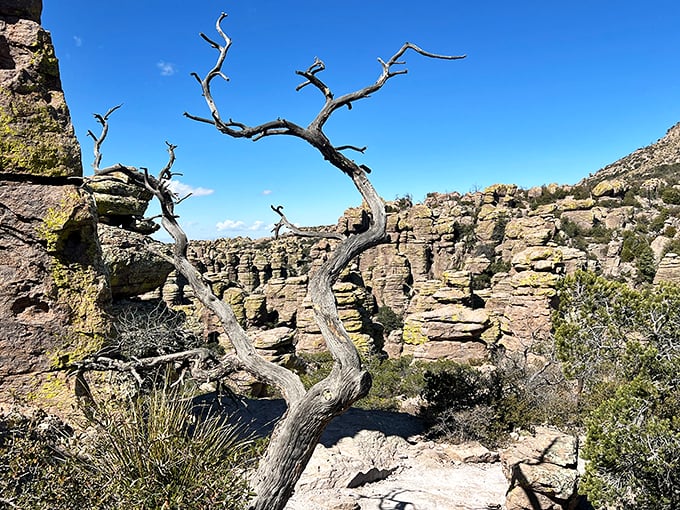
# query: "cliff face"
465,273
53,286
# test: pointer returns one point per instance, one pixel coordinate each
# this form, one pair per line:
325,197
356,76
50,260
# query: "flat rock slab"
398,469
415,487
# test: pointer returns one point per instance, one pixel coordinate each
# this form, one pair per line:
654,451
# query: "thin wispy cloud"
183,190
267,192
166,68
78,41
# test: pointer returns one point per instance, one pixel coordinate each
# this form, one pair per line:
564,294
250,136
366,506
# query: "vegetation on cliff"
623,346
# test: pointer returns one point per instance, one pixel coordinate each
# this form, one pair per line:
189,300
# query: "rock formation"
465,273
136,264
53,285
542,470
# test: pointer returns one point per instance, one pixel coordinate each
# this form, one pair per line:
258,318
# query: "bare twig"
351,147
312,79
104,121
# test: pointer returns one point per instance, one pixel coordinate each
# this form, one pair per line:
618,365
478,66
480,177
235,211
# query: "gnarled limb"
308,412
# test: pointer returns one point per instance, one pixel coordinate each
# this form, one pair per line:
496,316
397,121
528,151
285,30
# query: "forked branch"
98,140
309,411
283,126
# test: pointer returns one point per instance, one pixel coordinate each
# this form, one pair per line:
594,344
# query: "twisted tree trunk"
309,411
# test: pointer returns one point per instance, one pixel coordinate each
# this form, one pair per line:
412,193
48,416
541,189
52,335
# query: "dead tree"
308,411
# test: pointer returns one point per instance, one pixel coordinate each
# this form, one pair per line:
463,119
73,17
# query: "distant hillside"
661,159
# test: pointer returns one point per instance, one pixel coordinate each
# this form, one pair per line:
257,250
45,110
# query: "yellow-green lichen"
492,333
78,287
412,333
362,342
33,141
536,280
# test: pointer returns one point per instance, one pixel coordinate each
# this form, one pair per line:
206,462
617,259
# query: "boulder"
449,322
542,470
669,269
367,457
37,135
134,261
121,203
610,188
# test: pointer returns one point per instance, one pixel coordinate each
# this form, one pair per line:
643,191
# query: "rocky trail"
378,460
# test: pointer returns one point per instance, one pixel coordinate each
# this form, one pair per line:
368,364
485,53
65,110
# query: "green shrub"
672,247
394,380
389,319
464,402
483,280
317,367
157,450
636,249
634,451
599,234
659,221
498,233
36,468
466,233
671,196
569,228
630,198
623,345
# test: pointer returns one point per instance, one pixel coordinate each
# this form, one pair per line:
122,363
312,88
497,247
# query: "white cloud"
267,192
78,41
166,68
238,226
183,190
230,225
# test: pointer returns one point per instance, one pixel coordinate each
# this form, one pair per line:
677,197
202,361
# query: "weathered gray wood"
309,412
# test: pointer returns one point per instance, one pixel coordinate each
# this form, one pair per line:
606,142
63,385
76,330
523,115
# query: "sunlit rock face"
53,285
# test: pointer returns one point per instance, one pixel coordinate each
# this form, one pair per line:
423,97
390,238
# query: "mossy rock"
412,333
79,285
37,138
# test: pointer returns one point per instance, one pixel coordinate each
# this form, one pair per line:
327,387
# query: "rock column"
53,286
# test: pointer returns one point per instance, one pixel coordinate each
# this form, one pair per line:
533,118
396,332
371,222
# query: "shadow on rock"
259,416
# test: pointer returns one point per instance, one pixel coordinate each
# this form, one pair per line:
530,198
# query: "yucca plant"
158,451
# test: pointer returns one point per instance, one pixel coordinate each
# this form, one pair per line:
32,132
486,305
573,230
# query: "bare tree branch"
294,437
309,411
283,222
202,364
351,147
103,120
310,74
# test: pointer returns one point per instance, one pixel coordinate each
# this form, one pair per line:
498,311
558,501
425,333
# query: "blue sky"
549,92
